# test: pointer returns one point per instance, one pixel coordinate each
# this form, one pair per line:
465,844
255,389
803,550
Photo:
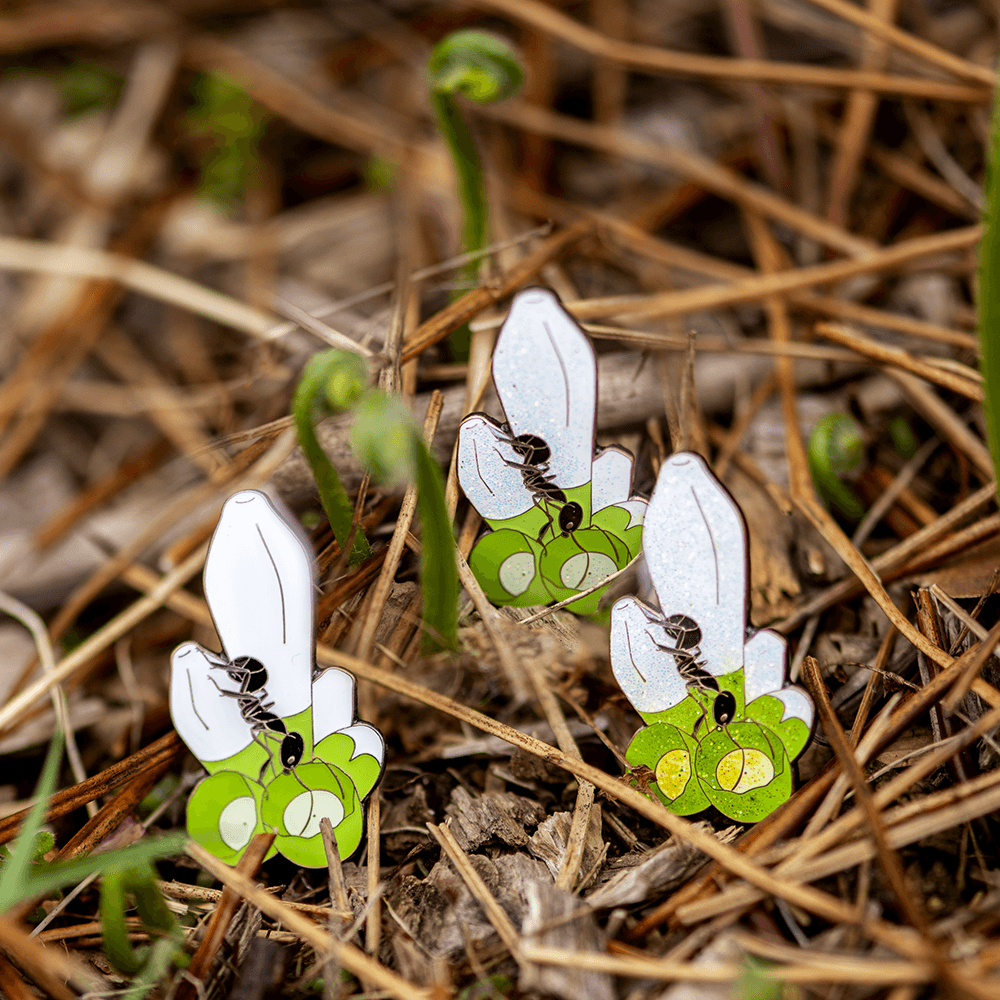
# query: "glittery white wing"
646,673
611,478
493,487
546,377
259,586
696,549
208,721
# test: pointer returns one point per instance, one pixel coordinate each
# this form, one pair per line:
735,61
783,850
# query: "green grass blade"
16,870
45,879
117,945
438,573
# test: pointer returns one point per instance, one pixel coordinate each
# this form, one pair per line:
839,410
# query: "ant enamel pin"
561,515
281,746
722,725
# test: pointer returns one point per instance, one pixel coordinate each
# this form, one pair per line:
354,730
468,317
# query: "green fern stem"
310,405
988,304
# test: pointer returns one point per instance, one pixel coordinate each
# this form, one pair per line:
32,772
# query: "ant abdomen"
570,517
724,708
293,748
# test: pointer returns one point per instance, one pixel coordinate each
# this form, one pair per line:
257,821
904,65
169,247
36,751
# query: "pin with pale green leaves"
561,513
280,741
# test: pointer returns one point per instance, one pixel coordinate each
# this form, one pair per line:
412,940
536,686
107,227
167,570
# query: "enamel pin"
561,517
282,749
722,725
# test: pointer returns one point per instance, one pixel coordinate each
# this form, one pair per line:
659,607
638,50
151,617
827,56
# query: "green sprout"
904,440
484,69
225,116
988,298
837,449
389,444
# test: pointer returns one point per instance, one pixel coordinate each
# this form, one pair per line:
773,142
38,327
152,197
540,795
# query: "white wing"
333,702
764,669
493,487
647,674
546,377
696,548
333,712
208,721
611,478
259,586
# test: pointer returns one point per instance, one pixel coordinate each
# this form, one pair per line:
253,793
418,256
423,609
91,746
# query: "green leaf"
14,873
148,965
383,438
225,114
480,65
438,572
117,945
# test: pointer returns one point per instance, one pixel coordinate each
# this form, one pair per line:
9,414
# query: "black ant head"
293,748
683,630
534,449
570,517
724,708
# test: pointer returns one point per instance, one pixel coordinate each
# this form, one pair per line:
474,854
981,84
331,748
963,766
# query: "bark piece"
548,905
494,816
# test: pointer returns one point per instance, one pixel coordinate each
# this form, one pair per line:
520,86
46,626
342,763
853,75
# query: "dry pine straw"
771,861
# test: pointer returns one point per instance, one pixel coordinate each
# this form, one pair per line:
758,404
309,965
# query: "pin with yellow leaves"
722,724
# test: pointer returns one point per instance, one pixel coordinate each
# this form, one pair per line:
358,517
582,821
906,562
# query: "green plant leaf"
150,964
383,438
117,945
14,873
226,116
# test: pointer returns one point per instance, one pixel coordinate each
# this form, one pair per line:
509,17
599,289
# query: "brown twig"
201,961
472,303
889,859
163,752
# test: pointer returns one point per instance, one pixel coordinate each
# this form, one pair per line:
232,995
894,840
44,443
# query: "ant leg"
546,526
262,742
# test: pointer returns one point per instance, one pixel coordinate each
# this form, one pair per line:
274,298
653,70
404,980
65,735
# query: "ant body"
251,675
686,634
535,452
